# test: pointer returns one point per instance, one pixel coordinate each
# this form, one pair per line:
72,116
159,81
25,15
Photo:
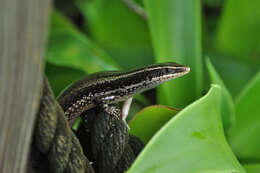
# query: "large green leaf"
176,35
121,32
227,104
148,121
244,136
239,28
252,168
192,141
69,47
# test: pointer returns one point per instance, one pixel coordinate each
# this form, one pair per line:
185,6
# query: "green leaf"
176,35
244,135
71,48
121,32
212,3
227,104
148,121
219,171
60,77
228,66
192,141
252,168
239,28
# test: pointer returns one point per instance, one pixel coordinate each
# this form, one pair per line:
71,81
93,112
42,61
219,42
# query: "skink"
104,88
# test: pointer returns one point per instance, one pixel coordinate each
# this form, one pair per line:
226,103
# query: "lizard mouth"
178,72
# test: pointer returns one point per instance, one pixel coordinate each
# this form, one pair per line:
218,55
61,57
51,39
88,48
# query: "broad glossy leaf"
192,141
176,35
252,168
69,47
244,136
239,28
227,104
148,121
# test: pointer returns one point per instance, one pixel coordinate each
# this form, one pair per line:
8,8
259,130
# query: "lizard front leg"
114,110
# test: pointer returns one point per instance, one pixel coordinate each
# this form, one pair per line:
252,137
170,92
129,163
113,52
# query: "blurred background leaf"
228,66
244,136
239,29
60,77
70,54
252,168
227,104
118,30
176,34
212,3
193,137
228,38
68,47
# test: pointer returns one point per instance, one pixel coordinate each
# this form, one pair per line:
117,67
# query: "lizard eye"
169,70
